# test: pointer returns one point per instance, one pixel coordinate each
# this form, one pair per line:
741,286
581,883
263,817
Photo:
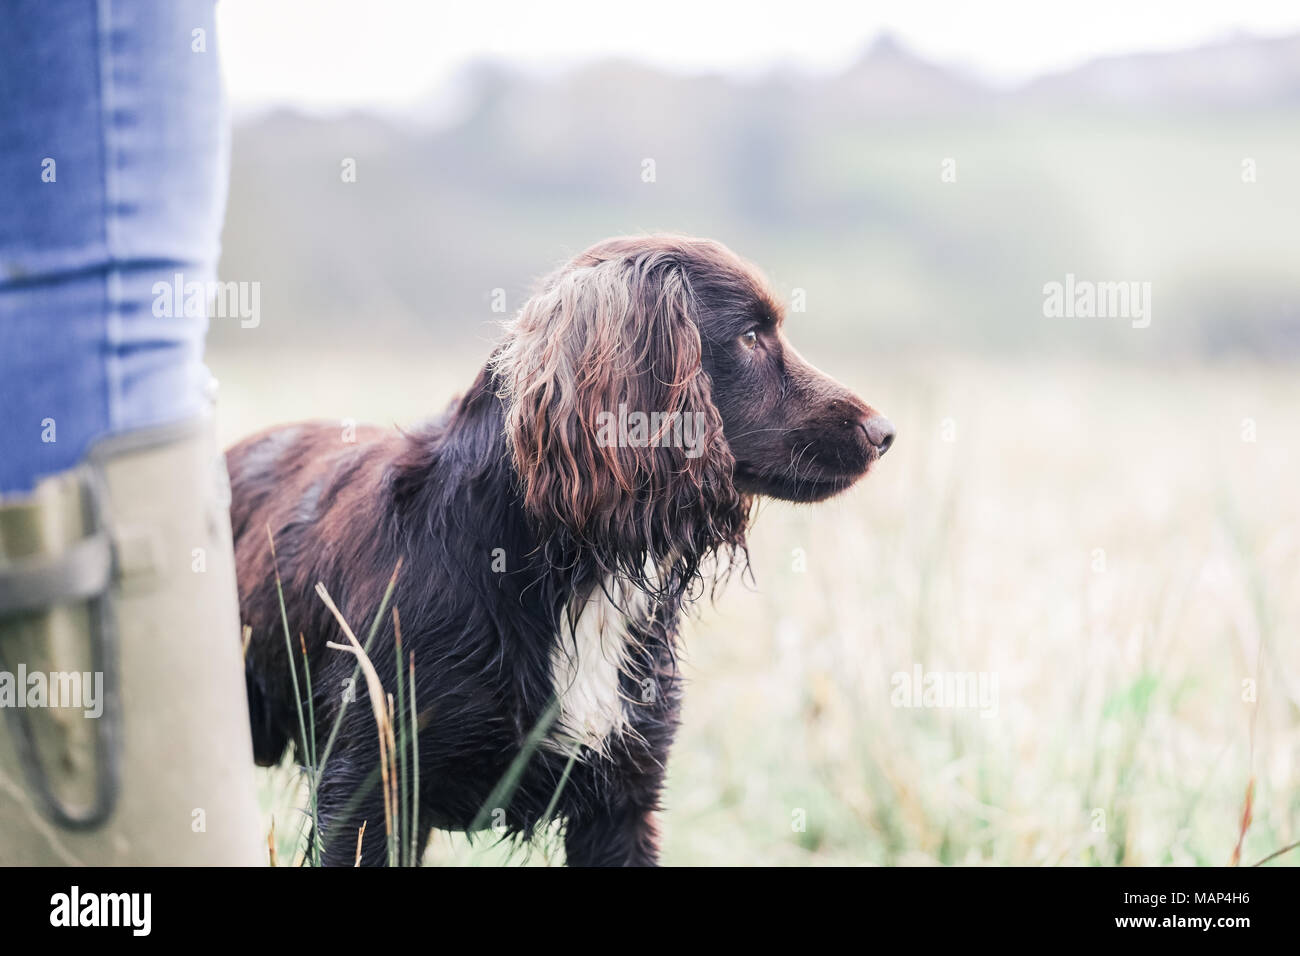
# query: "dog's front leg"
344,808
620,836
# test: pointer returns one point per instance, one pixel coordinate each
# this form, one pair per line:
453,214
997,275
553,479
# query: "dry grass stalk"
375,688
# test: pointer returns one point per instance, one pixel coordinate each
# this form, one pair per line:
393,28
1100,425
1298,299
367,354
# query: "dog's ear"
610,420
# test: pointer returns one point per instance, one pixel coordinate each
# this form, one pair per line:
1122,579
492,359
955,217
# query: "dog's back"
299,487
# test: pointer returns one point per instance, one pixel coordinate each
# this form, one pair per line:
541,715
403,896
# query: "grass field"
1114,551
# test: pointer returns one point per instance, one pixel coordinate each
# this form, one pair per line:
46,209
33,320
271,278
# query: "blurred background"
1101,518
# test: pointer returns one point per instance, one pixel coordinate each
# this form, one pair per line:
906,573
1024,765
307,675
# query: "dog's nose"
879,431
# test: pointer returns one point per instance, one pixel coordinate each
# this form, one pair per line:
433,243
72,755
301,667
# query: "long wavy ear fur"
608,337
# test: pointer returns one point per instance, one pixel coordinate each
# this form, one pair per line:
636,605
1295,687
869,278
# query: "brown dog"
552,523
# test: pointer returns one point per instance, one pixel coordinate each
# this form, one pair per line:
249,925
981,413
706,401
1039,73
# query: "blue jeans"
114,147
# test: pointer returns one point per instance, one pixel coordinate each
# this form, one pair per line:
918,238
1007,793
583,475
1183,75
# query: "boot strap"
81,572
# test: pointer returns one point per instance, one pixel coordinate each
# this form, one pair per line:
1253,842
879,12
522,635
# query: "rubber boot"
120,574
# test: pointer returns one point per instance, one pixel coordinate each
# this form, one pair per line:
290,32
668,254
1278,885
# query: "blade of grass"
361,835
395,842
1246,816
356,671
311,755
312,776
559,788
509,782
415,766
404,802
1276,853
380,712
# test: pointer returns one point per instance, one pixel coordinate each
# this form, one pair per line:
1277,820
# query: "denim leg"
114,145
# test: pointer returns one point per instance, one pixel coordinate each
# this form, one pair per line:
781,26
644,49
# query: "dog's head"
650,391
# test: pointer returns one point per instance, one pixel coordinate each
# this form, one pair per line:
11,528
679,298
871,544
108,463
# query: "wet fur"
512,472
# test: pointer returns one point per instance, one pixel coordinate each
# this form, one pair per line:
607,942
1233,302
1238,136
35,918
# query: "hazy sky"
326,54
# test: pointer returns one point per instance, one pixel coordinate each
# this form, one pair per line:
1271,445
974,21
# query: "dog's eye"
750,339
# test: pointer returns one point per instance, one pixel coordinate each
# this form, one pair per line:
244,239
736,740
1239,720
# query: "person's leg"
115,557
113,165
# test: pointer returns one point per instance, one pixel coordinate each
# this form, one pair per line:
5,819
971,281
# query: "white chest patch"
586,668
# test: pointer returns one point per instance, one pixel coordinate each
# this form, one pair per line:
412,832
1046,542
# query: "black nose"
879,431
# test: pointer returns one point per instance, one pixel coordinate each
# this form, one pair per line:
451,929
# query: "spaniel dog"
553,524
